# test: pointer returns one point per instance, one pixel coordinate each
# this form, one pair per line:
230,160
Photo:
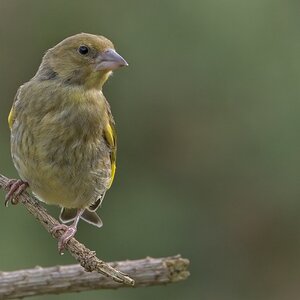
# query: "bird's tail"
92,218
69,214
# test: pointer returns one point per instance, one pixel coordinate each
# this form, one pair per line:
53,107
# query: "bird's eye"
83,50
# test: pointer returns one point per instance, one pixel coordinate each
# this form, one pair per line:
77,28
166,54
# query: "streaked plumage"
63,138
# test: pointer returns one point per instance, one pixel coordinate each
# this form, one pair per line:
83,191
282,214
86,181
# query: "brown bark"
89,274
86,258
73,278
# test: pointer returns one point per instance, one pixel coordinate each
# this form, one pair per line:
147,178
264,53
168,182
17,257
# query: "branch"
72,278
86,258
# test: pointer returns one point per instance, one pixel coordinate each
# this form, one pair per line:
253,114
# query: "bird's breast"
58,147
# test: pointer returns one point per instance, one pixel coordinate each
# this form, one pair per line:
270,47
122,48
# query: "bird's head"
82,59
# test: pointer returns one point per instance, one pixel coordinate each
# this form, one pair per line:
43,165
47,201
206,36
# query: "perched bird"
63,139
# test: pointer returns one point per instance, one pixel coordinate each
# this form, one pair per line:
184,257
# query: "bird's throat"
96,80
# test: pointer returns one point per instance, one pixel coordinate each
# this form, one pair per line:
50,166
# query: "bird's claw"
66,236
15,188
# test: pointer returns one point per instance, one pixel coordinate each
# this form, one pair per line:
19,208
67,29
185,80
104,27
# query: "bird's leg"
15,188
69,231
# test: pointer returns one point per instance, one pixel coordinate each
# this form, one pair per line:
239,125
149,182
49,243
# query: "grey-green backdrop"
209,150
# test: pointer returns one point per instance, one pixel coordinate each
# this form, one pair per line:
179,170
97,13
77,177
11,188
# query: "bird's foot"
15,188
67,235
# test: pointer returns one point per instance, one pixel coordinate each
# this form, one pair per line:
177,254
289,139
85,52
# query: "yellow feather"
11,117
113,172
110,136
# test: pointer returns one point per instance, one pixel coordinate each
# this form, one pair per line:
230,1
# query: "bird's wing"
12,113
110,137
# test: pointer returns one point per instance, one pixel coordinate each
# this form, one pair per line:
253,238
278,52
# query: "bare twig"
74,278
39,281
86,258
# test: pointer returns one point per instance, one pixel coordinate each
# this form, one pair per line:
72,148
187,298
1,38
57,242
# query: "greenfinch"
63,138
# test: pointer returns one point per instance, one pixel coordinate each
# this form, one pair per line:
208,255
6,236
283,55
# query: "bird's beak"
110,60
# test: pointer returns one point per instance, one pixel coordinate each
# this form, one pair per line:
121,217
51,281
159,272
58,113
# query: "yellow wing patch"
109,135
11,117
111,138
113,172
12,113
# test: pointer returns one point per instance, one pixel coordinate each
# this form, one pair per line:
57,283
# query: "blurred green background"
208,127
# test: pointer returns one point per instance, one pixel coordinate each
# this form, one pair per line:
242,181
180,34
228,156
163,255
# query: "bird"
63,136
